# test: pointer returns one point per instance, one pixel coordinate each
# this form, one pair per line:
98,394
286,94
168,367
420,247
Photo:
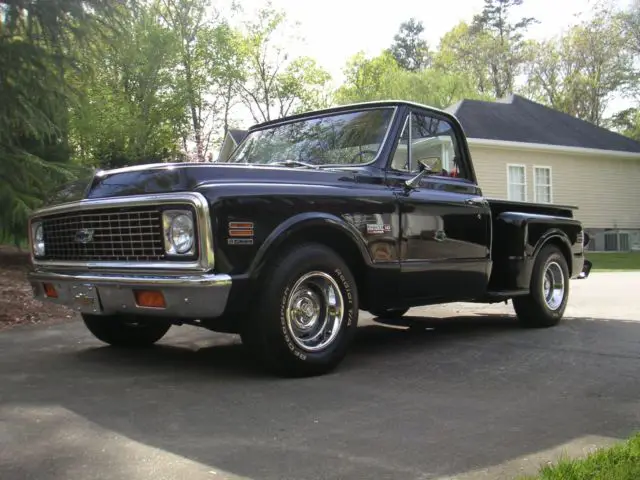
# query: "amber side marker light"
150,298
50,290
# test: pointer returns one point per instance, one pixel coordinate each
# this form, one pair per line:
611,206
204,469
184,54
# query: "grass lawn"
611,262
621,462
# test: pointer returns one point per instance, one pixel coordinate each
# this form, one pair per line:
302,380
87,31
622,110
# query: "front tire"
307,313
126,331
546,302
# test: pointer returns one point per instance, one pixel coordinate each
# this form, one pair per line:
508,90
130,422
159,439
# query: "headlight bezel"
38,246
169,218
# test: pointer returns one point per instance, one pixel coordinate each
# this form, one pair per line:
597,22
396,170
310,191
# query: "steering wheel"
361,153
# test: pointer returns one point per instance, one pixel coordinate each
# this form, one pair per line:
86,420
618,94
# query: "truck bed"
501,206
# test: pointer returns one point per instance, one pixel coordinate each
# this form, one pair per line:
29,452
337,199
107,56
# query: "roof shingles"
517,119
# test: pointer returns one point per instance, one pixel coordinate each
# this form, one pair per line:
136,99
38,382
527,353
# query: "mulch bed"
17,305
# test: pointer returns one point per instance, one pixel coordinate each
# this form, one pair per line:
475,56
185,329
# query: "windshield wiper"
294,163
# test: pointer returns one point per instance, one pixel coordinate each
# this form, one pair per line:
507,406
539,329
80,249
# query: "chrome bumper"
186,296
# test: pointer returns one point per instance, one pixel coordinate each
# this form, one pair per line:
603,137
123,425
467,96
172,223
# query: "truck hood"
189,177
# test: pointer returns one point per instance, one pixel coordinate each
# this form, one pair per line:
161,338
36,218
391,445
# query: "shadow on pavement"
445,397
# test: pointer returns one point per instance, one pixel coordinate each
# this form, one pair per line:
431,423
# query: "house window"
542,184
610,242
616,242
517,183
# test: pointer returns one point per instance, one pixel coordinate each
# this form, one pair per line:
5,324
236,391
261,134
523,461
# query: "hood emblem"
85,235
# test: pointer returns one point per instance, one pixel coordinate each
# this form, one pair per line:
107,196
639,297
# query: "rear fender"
519,239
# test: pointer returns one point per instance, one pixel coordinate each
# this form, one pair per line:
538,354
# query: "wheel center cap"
307,308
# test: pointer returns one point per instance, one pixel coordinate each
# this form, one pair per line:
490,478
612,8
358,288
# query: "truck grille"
115,234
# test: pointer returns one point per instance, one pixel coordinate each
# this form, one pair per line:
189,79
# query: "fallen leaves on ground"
17,305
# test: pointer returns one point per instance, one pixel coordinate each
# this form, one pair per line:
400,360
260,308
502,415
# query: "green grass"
612,262
621,462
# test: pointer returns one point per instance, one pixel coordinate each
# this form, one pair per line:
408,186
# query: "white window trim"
524,167
535,183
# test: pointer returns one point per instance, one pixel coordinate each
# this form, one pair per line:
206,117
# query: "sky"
335,30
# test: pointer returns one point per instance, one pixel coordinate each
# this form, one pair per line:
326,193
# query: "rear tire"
126,331
546,302
303,290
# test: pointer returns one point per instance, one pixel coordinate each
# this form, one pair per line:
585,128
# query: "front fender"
297,224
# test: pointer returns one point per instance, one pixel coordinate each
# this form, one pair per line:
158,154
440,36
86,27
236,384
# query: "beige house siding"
606,189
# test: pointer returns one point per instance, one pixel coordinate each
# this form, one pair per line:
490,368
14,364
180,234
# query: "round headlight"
181,233
38,241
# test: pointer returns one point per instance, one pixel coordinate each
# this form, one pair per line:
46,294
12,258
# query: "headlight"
37,239
179,232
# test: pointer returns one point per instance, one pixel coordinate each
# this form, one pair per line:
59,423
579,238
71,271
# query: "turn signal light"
150,298
50,290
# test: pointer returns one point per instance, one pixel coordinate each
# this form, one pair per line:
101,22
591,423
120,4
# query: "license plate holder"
85,298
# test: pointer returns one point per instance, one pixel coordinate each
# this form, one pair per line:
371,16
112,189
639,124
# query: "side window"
434,143
400,160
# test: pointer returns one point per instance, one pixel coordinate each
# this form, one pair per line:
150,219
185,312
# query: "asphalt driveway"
471,396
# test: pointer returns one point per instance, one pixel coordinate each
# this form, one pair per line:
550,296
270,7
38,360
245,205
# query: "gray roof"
517,119
237,134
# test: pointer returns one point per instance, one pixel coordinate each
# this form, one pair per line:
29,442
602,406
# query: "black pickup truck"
313,218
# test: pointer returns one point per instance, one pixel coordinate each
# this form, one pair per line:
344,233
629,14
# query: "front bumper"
194,296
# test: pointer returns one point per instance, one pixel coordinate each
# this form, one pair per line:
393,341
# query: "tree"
466,53
381,78
206,50
582,70
368,78
273,85
39,48
502,41
627,122
408,48
131,111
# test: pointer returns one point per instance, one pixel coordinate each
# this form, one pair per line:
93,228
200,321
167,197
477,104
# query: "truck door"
445,223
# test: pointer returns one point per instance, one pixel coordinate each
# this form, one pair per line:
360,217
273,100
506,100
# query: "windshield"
350,138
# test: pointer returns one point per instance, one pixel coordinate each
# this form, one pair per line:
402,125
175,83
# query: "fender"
296,224
549,235
521,236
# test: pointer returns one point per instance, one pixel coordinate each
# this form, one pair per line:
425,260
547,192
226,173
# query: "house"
231,140
525,151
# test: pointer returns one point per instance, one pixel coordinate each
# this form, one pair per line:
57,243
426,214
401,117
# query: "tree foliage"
40,45
579,72
88,84
272,84
132,111
409,49
502,42
382,78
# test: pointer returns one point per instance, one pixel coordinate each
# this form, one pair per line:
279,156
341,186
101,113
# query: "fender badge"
378,228
240,233
240,241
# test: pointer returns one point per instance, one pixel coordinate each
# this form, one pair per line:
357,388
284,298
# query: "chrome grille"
116,234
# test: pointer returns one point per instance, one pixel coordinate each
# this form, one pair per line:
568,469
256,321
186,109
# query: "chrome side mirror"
414,182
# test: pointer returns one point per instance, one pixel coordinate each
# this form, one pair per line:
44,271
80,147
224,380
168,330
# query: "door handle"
477,201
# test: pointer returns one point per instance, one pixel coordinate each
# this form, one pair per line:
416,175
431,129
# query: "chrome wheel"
553,286
314,311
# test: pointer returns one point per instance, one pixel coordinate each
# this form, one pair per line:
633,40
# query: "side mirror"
414,182
586,240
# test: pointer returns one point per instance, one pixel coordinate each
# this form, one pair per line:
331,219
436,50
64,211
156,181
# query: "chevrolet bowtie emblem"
85,235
